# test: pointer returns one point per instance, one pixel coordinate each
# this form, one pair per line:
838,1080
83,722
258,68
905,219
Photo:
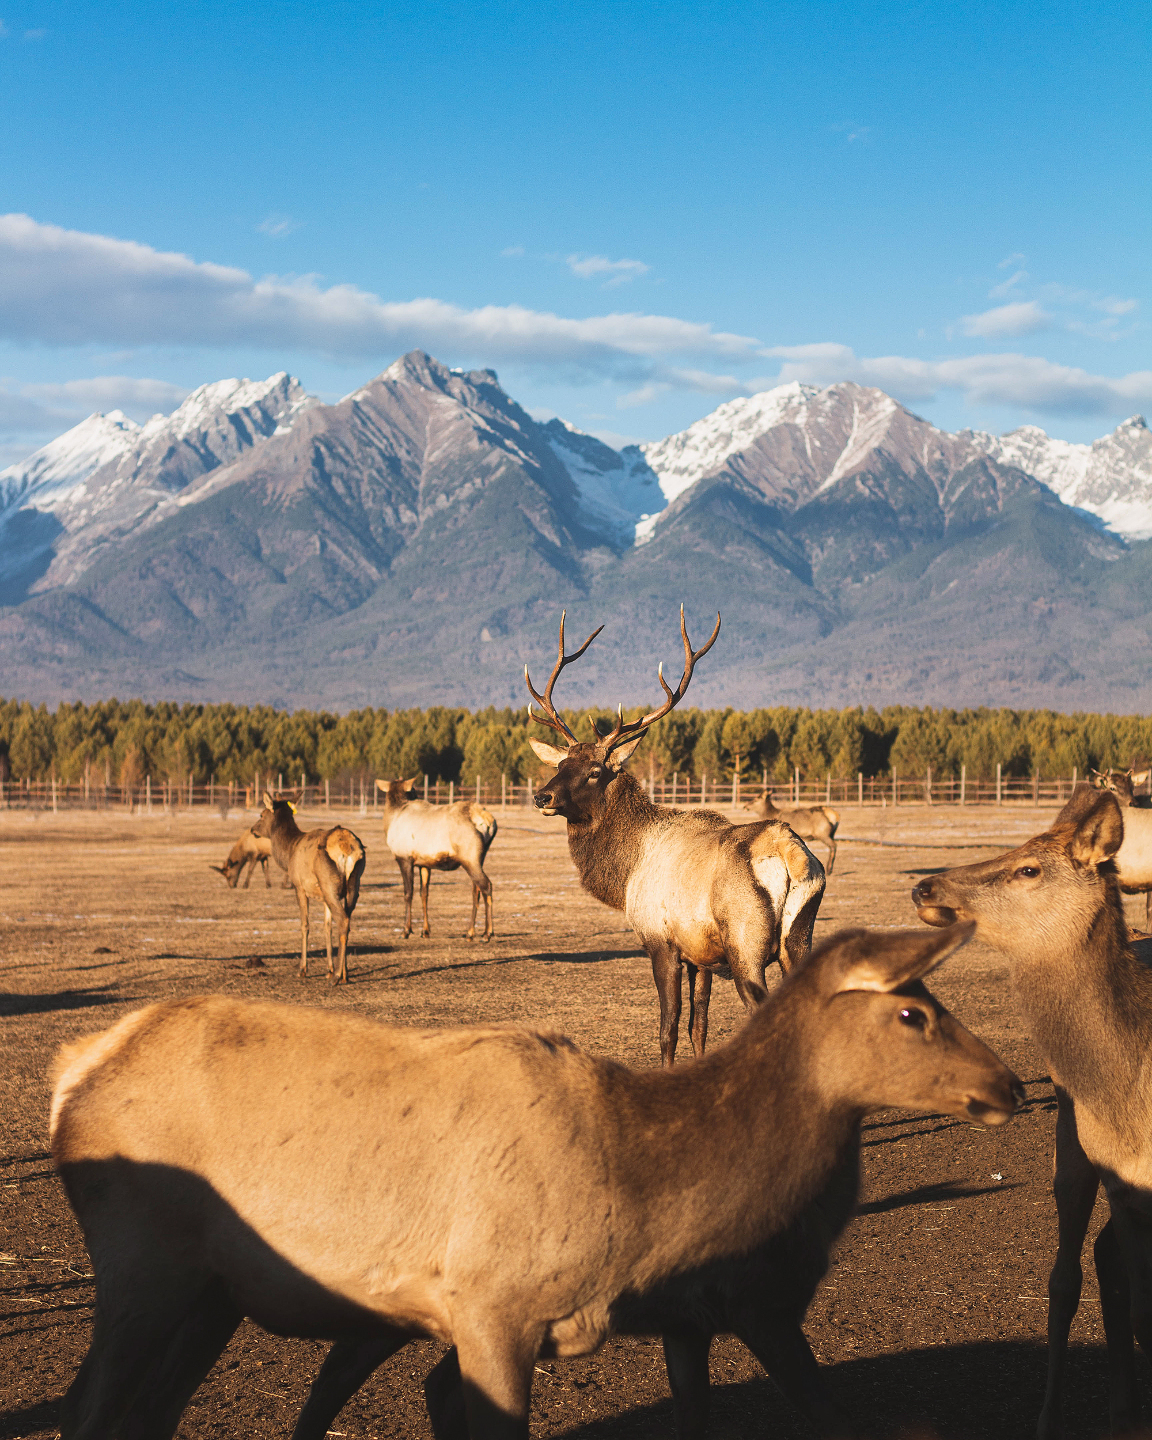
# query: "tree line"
121,742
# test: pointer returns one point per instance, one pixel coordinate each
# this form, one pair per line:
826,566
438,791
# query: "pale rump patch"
75,1062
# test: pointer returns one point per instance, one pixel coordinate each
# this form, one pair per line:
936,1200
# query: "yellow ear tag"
291,807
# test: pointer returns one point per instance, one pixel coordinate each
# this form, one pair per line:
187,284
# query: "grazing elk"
697,890
438,837
324,864
1134,858
507,1193
810,822
1053,907
249,850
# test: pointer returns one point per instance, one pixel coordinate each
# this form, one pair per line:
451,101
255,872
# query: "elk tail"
833,815
345,851
483,821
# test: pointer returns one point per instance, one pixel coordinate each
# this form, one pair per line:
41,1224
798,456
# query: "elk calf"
506,1192
1053,907
324,864
437,837
697,890
249,850
810,822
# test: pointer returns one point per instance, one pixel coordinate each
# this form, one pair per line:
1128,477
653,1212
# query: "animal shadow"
991,1390
61,1000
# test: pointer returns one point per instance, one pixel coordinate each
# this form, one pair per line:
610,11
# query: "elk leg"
406,868
1074,1184
264,867
328,935
444,1397
193,1350
1116,1312
425,881
302,899
496,1371
699,994
248,868
831,843
470,933
481,885
345,923
346,1367
782,1349
686,1356
666,971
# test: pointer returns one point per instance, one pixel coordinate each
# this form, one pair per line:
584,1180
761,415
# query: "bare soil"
932,1317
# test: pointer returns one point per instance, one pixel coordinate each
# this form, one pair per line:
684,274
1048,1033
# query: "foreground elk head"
276,808
884,1040
1044,896
584,772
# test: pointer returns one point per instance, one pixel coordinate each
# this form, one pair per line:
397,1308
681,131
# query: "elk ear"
618,758
411,784
383,785
268,802
1099,832
220,869
550,754
884,960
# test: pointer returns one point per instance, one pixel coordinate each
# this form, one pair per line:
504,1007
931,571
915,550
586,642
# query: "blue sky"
633,212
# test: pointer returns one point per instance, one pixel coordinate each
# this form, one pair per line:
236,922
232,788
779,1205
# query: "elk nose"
922,893
544,799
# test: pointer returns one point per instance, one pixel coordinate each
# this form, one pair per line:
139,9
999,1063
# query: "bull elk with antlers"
697,890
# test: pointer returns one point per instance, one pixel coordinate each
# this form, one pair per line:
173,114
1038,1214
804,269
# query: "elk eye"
1028,872
594,773
916,1018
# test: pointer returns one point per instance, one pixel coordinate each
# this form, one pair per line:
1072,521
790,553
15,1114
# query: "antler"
621,732
550,717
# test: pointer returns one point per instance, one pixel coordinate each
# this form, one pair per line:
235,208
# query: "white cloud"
612,272
110,392
1016,258
1021,317
998,292
65,287
276,225
1023,381
512,252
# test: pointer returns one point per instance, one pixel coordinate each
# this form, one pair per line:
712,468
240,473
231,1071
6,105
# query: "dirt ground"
932,1316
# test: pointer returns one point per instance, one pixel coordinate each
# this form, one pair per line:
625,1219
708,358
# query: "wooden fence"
167,796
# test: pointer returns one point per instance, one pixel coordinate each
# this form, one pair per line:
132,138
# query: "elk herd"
504,1192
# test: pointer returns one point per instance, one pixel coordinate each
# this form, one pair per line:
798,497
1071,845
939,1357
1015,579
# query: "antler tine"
621,731
550,717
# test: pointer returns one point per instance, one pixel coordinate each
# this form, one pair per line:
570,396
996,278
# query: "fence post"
796,784
503,790
828,788
998,794
928,786
963,781
860,787
1073,777
895,792
148,793
451,791
735,791
704,787
53,790
764,779
1036,787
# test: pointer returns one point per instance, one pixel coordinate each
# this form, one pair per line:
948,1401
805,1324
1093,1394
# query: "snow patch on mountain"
67,461
616,490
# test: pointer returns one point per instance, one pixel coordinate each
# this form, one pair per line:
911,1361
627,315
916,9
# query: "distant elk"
438,837
323,864
697,890
493,1188
1133,860
249,850
810,822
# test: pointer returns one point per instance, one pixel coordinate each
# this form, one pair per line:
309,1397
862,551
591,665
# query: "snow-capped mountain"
107,476
795,441
1111,478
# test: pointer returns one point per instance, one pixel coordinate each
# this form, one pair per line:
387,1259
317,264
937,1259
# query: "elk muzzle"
930,904
543,802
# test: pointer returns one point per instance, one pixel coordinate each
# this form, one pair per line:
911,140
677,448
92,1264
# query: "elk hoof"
489,937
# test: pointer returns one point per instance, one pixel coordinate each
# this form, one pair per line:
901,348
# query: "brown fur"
324,864
329,1176
249,850
438,837
1053,907
810,822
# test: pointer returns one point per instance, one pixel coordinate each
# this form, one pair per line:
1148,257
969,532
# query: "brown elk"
323,864
1053,907
438,837
1134,858
810,822
506,1192
249,850
697,890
